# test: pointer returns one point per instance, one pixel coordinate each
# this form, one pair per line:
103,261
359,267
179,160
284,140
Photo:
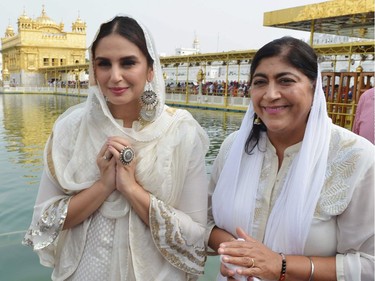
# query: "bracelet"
312,269
283,268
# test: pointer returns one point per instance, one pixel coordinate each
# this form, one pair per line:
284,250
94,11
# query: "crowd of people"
124,193
212,88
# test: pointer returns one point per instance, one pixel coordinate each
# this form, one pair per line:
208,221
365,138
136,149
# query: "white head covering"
157,84
80,132
288,225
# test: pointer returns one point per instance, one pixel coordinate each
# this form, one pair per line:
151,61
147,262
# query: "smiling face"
282,97
122,71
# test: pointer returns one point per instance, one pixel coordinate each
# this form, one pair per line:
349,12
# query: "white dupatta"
289,223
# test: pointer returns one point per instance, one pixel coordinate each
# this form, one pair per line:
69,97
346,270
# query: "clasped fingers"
121,150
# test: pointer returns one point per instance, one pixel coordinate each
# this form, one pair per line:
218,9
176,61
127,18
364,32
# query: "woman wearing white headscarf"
298,189
123,192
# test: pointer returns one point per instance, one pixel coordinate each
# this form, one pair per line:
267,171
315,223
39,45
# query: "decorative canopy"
353,18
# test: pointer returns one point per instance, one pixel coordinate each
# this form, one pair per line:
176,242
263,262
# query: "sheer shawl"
234,198
83,129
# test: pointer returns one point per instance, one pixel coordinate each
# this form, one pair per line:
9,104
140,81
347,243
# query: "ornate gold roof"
44,19
9,32
24,16
353,18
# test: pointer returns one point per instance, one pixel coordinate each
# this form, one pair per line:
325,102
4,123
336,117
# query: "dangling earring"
257,121
106,99
149,100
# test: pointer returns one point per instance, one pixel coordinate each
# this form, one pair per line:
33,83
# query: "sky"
219,25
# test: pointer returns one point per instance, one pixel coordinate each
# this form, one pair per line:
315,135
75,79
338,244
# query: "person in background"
296,188
364,120
123,195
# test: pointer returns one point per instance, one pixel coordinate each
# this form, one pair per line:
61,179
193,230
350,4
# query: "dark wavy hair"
294,52
127,28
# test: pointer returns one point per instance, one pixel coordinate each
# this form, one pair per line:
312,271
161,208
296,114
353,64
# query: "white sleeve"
356,233
49,215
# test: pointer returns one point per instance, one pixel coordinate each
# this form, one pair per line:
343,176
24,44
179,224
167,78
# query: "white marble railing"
202,100
240,103
44,90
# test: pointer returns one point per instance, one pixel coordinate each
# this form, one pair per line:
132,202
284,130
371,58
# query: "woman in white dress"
298,189
123,192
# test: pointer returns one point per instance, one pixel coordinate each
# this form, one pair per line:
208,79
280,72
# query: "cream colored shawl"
81,131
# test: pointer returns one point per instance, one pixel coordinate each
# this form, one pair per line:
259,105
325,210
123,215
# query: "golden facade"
339,17
40,43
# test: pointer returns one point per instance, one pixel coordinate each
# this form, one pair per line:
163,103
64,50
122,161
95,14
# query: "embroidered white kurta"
343,223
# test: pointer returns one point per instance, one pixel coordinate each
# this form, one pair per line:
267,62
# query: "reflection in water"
218,125
28,120
25,123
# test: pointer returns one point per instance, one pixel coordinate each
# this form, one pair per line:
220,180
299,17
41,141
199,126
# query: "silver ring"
105,157
127,155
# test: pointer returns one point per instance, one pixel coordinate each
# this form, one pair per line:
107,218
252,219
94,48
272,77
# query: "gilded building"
40,43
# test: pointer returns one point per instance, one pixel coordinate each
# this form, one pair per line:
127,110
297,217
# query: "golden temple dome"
9,29
79,25
44,19
9,32
79,20
24,16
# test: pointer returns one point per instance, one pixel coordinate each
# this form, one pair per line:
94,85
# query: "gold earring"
257,121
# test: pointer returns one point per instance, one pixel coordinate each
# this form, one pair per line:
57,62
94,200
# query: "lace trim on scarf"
171,242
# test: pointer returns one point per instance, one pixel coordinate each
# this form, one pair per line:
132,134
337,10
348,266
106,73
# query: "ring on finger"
252,263
127,155
107,158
